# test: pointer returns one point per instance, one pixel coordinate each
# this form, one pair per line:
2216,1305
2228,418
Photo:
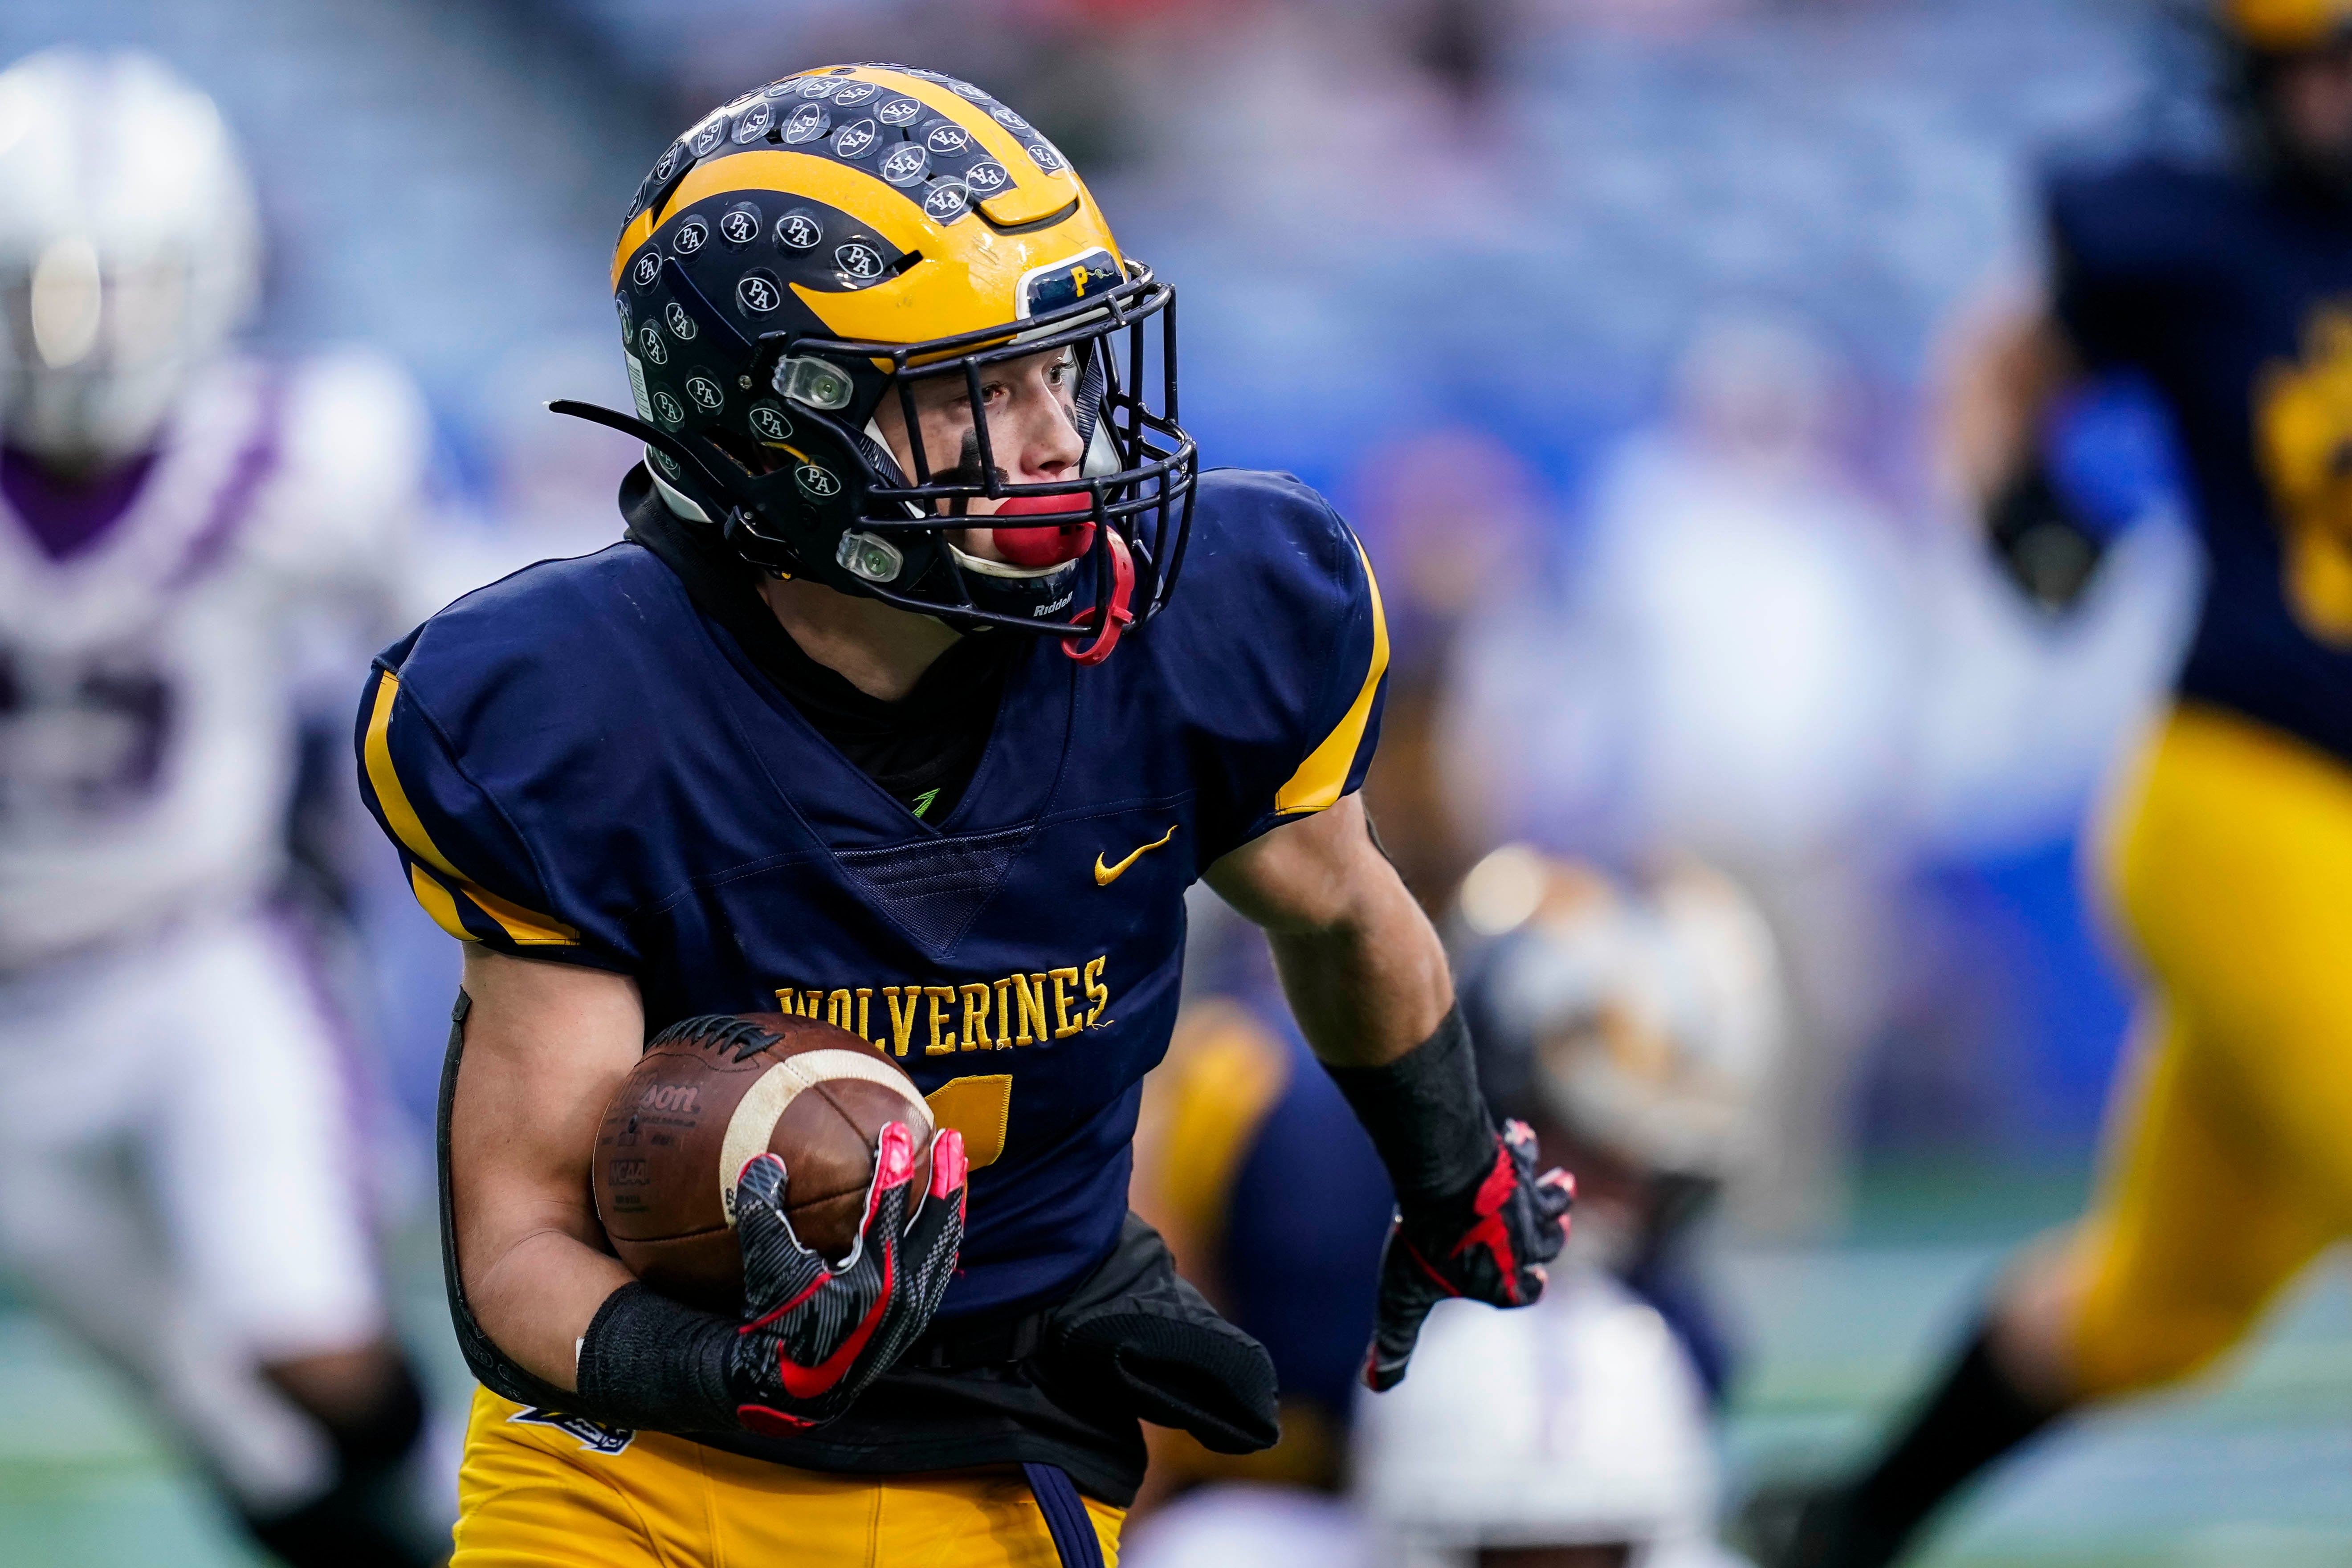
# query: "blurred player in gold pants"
2228,851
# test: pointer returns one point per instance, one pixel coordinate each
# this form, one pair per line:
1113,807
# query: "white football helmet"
129,249
1650,1016
1575,1422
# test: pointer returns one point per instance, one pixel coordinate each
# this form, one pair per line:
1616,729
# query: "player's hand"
1489,1243
815,1334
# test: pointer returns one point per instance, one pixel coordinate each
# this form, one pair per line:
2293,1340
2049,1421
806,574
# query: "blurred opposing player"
1637,1026
1634,1025
2227,1167
180,1182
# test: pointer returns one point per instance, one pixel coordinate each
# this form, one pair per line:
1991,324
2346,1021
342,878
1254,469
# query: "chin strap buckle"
1111,618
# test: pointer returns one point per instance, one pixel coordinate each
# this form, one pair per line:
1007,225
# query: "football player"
929,675
2226,1168
180,1185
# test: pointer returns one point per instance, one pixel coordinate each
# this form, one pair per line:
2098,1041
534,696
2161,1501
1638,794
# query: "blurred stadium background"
1501,277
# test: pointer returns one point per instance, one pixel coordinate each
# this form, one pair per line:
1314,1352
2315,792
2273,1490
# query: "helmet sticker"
799,230
645,269
621,306
768,421
739,224
855,140
821,484
755,121
946,200
758,293
899,111
1007,119
986,178
1068,281
806,123
668,464
691,236
708,136
965,90
858,259
637,383
905,163
681,325
780,88
1043,155
668,164
855,92
947,137
666,409
815,86
706,394
650,340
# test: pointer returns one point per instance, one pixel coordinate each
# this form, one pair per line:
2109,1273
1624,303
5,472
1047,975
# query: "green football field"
2252,1469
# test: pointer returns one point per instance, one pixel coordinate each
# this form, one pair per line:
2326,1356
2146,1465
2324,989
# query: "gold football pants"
536,1495
2228,1162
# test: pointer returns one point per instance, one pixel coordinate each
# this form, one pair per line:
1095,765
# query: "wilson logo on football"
679,1099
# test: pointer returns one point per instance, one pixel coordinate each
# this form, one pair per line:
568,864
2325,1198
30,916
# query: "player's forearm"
2000,391
536,1298
545,1046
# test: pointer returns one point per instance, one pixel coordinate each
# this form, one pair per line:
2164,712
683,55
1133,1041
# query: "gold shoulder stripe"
438,903
1324,773
526,930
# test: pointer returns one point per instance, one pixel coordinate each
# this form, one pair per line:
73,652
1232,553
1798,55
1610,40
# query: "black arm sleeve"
1425,1115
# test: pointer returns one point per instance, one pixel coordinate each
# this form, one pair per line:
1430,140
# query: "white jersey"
147,725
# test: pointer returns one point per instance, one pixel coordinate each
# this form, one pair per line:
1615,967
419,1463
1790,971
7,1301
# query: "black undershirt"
922,749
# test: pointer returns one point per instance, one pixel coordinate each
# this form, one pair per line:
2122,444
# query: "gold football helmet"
834,238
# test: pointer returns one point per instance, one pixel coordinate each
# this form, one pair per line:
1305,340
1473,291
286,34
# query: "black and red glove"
815,1334
1489,1243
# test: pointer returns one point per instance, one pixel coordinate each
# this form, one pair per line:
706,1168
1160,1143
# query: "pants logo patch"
594,1436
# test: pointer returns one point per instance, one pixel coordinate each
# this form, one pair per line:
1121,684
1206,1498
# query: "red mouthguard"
1047,546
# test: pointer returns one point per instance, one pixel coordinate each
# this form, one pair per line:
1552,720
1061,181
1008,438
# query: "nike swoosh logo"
1105,875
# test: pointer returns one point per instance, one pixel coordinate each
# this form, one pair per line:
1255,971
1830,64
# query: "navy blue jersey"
2235,300
577,766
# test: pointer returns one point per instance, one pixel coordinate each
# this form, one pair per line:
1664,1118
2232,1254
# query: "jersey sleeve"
466,860
1318,658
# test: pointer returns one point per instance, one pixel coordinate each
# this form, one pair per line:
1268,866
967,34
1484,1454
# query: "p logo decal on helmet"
922,231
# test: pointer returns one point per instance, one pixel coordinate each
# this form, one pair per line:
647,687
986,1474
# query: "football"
708,1095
